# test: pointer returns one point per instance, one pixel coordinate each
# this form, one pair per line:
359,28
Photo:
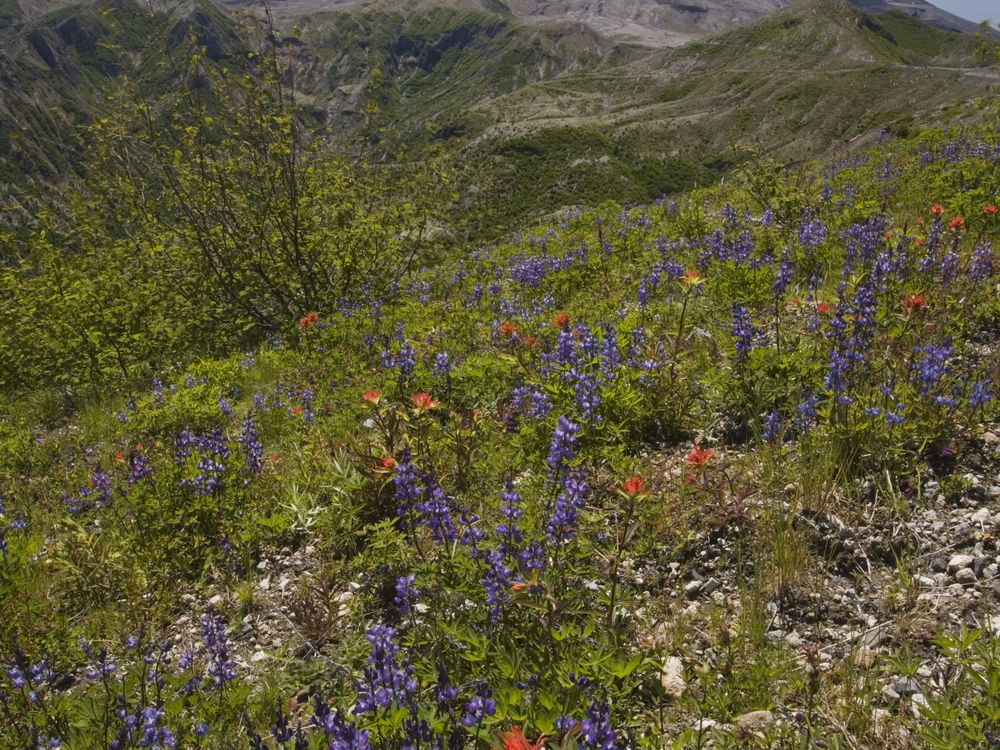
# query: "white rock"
265,584
981,516
672,677
215,601
258,657
958,562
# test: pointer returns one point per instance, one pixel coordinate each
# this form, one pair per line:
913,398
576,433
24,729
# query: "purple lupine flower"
100,483
980,393
932,365
784,276
807,414
342,734
562,526
743,331
406,360
442,364
611,357
100,665
435,509
407,487
896,416
139,468
562,450
497,583
813,232
532,399
587,391
772,426
388,679
981,266
155,736
307,398
221,667
252,445
225,407
157,391
596,731
508,530
443,691
481,706
533,557
406,593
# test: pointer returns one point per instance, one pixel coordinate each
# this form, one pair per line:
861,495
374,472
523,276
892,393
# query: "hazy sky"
974,10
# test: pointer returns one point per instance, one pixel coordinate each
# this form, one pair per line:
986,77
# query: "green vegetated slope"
596,481
60,70
806,80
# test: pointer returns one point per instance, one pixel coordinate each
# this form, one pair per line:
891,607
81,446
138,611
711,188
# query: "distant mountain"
545,102
922,10
657,23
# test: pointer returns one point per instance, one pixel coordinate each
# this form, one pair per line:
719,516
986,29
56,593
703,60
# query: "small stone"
265,584
889,695
865,657
710,586
919,703
981,516
958,562
965,576
755,721
939,564
262,565
979,566
215,601
925,581
672,677
906,686
692,588
258,657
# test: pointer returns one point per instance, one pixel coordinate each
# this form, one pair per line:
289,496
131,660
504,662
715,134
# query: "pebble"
906,686
981,516
755,721
965,576
710,586
958,562
692,588
258,657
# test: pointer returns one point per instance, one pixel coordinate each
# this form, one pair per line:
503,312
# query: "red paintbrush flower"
914,303
514,739
957,223
310,318
372,397
634,486
937,209
423,401
990,210
699,456
561,320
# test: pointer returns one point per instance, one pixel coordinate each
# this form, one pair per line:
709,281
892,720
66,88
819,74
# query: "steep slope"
57,72
798,83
